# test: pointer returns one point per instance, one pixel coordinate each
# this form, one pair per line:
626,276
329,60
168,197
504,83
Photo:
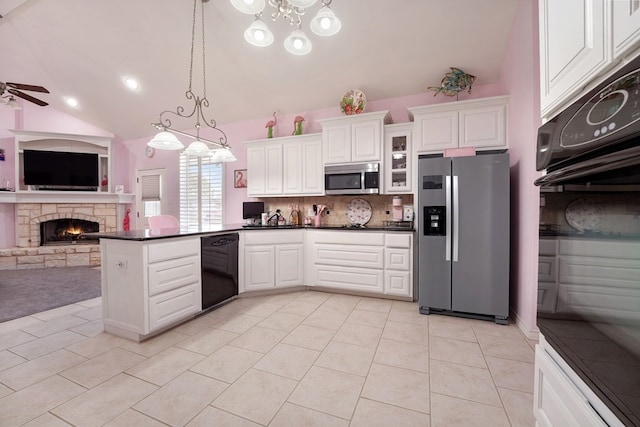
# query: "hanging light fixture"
12,103
324,24
166,139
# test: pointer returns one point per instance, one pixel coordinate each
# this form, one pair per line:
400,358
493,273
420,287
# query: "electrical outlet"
388,212
326,212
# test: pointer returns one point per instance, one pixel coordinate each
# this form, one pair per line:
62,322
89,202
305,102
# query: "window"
200,192
151,195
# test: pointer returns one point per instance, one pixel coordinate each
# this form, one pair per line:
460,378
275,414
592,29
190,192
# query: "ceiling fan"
7,90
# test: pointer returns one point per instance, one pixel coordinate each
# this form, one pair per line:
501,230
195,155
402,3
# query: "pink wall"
520,78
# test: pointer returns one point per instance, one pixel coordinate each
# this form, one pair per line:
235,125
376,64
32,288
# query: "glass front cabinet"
397,149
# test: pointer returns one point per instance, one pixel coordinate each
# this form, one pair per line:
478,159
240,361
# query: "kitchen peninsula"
152,279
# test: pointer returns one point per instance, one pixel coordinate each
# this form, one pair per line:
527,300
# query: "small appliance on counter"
398,208
252,212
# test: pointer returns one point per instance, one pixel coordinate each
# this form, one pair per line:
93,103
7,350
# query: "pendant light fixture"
324,24
166,139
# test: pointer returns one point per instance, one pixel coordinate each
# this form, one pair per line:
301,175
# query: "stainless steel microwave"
356,178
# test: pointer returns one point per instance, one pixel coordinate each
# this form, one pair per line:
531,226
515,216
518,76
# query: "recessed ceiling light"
131,83
71,102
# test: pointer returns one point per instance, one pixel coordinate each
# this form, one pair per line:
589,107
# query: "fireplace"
67,231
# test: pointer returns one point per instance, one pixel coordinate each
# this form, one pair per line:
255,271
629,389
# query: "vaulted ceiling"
83,48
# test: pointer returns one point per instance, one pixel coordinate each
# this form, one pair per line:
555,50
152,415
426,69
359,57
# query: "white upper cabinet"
285,166
581,42
353,139
397,158
479,123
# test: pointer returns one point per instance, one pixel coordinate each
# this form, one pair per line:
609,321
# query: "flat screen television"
60,170
252,210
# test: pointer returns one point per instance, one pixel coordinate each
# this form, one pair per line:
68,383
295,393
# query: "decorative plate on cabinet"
584,214
358,212
353,102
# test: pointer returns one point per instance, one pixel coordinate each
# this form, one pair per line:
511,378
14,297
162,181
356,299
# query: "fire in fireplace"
67,231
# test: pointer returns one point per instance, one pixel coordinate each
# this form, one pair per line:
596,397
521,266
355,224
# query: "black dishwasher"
219,268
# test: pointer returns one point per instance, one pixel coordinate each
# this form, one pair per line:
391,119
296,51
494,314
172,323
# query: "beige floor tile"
14,338
222,419
301,308
397,331
398,386
92,313
155,344
256,396
57,312
197,325
239,323
456,351
313,297
283,298
404,306
230,309
282,321
91,347
404,316
368,318
374,304
100,368
228,363
293,415
35,370
8,360
512,374
447,411
465,382
288,360
492,328
5,391
340,303
208,341
310,337
519,407
131,418
449,326
47,420
178,401
353,359
332,392
259,339
165,366
31,402
514,348
17,324
326,319
93,302
263,309
370,413
403,355
351,333
90,329
104,402
41,346
54,325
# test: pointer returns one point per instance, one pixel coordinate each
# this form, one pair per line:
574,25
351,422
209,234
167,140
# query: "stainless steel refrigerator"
463,226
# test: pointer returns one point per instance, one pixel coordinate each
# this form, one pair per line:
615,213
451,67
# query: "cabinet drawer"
174,249
350,256
348,238
172,274
170,307
359,279
397,259
547,268
600,248
397,240
273,237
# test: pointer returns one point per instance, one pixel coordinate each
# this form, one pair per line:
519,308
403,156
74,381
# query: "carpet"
25,292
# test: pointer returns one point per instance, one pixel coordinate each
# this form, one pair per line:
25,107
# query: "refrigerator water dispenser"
434,220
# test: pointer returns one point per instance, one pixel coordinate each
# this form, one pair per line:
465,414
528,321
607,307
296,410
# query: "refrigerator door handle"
448,217
456,218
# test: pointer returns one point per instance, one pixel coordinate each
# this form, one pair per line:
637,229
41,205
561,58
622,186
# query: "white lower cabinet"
374,262
270,259
560,398
148,286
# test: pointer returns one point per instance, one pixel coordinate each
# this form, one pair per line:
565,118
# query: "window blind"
150,187
200,192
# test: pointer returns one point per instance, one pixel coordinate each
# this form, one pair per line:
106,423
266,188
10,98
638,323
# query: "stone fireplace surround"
29,254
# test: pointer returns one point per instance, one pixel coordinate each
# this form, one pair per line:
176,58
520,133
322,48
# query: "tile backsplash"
337,207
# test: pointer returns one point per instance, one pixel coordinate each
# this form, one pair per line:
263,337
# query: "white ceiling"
83,48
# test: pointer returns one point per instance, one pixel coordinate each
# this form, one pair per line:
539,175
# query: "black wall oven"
589,263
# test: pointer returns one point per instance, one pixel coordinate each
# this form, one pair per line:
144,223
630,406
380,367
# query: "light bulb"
297,44
259,35
325,23
249,2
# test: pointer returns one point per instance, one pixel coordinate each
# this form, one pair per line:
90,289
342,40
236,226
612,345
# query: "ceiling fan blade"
31,88
27,97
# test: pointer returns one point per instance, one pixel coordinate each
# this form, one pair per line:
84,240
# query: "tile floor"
295,359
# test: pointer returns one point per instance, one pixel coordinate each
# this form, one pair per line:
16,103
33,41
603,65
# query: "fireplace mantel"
65,197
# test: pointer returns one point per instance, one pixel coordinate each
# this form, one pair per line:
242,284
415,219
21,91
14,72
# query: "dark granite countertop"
164,233
588,235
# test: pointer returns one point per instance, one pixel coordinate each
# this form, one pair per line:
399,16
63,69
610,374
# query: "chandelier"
200,147
324,24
